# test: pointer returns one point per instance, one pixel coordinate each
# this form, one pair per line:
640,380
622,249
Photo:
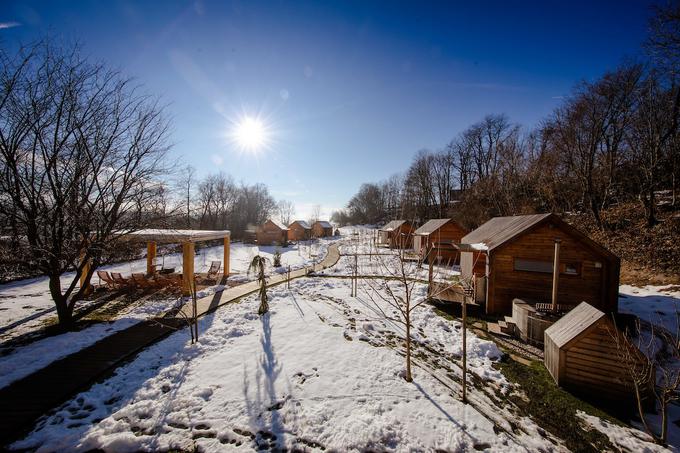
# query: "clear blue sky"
349,90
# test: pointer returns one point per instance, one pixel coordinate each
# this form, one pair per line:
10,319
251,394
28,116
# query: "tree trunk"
651,207
408,377
64,309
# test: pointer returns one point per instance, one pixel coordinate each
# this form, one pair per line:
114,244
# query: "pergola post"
227,245
150,258
187,267
86,269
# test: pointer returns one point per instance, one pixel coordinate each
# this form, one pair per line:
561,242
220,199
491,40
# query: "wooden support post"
429,273
83,275
187,267
556,274
464,309
150,258
227,245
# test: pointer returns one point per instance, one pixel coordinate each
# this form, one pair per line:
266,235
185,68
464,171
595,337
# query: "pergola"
187,238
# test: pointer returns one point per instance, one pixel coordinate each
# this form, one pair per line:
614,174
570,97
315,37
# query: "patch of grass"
553,408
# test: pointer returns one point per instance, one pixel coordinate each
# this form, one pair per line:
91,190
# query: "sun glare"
250,134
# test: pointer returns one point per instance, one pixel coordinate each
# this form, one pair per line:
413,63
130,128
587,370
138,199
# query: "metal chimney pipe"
556,273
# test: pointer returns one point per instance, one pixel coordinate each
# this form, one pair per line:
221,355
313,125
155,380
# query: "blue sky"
348,91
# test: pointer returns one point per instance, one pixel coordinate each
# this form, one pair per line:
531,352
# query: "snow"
479,246
658,305
626,439
317,370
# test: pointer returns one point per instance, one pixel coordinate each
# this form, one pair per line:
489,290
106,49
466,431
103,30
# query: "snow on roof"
302,223
393,225
161,235
431,226
573,324
324,224
278,224
501,229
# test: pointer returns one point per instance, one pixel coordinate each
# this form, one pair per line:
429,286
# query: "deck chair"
119,280
106,278
214,269
141,281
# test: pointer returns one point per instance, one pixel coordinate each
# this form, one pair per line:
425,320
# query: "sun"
250,134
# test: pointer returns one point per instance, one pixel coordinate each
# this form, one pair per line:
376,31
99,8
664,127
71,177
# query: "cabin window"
533,266
571,268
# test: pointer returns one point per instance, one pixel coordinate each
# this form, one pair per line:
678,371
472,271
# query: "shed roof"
573,324
324,224
161,235
302,223
278,224
431,226
393,225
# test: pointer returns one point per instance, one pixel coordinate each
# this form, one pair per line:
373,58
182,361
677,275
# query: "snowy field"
659,305
321,370
24,304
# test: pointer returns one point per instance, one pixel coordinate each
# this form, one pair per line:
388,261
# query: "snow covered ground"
659,305
24,304
321,370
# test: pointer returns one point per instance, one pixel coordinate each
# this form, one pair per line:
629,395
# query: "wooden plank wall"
592,365
539,244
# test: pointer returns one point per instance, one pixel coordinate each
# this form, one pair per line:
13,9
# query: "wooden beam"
150,258
187,267
86,269
556,274
227,245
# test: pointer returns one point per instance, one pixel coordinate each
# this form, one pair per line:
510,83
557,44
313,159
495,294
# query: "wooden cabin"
439,238
299,231
322,229
582,355
517,254
272,232
396,234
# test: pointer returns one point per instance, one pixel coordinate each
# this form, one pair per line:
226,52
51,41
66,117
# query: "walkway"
211,303
26,400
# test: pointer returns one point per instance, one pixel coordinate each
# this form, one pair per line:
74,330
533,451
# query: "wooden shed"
518,255
439,238
299,231
581,354
322,229
396,234
272,232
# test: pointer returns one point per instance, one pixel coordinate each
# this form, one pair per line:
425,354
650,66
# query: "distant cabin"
439,239
396,234
513,258
582,356
272,232
322,229
299,231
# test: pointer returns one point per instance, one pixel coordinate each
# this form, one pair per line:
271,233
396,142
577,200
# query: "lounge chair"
106,278
119,280
214,269
141,281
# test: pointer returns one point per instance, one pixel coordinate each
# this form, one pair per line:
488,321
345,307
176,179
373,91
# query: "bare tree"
316,214
651,370
81,149
286,210
257,265
185,185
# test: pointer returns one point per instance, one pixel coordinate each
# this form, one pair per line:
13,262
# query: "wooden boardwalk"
23,402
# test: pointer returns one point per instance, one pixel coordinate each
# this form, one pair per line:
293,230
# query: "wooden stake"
464,351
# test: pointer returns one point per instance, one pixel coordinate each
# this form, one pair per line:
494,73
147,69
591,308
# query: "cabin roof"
280,225
573,324
169,235
500,230
393,225
431,226
302,223
324,224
